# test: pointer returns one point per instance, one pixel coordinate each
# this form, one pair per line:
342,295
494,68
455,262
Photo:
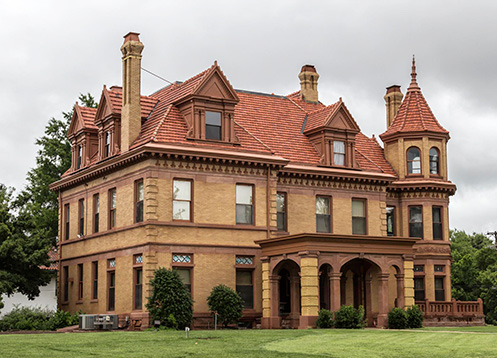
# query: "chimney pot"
131,36
309,83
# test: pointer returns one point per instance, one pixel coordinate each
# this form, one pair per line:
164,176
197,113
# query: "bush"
170,297
349,317
397,319
227,303
414,317
325,319
37,319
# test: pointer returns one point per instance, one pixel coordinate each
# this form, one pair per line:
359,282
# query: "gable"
342,119
76,122
104,106
216,85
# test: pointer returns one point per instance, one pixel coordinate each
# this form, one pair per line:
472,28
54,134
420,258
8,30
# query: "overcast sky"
55,50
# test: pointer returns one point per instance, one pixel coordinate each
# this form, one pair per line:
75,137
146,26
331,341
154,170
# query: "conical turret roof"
414,114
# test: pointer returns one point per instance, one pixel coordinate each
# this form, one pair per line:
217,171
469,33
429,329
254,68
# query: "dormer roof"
82,120
414,114
332,117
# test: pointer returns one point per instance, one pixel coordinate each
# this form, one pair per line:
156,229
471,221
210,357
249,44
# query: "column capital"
400,276
264,259
309,254
274,278
408,257
335,276
383,276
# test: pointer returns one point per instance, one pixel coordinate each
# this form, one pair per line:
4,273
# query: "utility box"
86,321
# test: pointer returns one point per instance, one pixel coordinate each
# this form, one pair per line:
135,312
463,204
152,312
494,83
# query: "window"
439,268
138,281
112,208
94,294
244,260
434,161
419,288
65,271
437,223
281,211
439,289
182,264
111,285
416,221
181,258
185,275
182,200
245,287
419,268
107,144
80,154
338,152
212,125
413,161
139,201
323,214
81,217
359,226
244,204
390,221
80,282
96,212
66,215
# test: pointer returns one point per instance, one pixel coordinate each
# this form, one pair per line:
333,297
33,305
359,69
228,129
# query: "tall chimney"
131,109
309,83
393,100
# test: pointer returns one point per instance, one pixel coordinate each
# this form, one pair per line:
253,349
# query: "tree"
474,271
27,237
170,297
226,303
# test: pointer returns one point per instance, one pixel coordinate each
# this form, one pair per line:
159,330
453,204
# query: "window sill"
94,301
79,302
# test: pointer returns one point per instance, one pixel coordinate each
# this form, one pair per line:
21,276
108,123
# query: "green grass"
255,343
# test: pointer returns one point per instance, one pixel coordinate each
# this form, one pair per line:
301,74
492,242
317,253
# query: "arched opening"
359,286
288,308
413,161
434,161
324,287
395,288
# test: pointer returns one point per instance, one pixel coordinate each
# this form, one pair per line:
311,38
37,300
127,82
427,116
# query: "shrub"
414,317
170,297
36,319
227,303
397,318
349,317
325,319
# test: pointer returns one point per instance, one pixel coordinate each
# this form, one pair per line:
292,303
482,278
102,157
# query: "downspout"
268,204
59,249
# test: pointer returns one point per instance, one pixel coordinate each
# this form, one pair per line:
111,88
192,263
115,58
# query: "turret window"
107,144
416,221
434,161
413,161
80,155
212,125
338,152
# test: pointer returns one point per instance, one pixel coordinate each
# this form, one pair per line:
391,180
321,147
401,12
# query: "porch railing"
451,308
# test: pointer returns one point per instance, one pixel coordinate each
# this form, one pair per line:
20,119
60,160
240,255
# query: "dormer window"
413,161
434,161
338,152
80,155
213,125
107,144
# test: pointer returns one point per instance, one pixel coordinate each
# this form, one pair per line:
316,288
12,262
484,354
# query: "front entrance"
288,276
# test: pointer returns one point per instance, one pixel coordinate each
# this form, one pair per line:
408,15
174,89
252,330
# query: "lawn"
256,343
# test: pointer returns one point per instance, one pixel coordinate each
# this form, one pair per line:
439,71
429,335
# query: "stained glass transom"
182,258
244,260
112,263
138,259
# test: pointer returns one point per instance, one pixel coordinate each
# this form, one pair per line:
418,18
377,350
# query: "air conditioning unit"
86,321
103,321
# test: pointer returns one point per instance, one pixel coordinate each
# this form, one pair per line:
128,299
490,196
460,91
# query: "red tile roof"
265,124
53,257
414,114
88,116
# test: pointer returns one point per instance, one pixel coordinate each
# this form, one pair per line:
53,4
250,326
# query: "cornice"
386,138
422,185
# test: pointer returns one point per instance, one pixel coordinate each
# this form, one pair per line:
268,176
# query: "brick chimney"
309,83
131,109
393,100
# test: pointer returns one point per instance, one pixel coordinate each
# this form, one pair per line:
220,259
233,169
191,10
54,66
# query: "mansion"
280,197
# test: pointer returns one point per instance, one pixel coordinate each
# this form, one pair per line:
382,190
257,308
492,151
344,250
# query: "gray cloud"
54,50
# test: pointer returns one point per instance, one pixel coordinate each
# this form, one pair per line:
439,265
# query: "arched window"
434,161
413,161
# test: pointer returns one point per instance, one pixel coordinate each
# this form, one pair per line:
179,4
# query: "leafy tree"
226,303
26,238
474,271
169,298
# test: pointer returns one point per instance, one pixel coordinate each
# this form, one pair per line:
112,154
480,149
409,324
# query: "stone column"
294,301
309,283
408,281
382,299
266,294
335,291
275,319
400,290
369,299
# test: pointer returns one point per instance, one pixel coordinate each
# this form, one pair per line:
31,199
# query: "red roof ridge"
295,103
154,136
369,159
327,107
253,136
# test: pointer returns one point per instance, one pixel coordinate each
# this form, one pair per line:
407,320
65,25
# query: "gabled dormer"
332,130
209,106
108,121
83,136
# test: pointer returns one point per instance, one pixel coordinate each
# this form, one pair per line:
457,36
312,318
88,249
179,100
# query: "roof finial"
414,83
